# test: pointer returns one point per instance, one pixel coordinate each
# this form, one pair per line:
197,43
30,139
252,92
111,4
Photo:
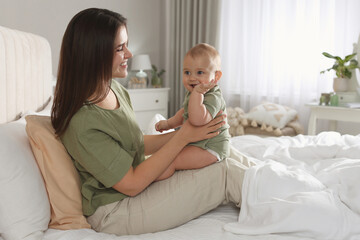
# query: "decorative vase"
334,99
340,84
325,99
156,81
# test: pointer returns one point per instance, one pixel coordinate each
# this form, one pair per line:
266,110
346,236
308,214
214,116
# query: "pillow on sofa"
61,178
271,114
24,205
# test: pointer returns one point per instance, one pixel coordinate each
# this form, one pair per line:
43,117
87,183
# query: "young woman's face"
196,71
121,54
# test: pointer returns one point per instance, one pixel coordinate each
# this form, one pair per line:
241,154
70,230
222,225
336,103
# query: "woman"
92,115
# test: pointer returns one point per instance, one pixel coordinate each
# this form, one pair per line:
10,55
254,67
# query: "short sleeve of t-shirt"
103,157
213,101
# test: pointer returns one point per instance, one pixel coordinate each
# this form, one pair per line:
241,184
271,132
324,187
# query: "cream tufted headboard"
25,73
357,72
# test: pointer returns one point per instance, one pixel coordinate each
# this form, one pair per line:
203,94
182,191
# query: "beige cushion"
61,178
271,114
285,131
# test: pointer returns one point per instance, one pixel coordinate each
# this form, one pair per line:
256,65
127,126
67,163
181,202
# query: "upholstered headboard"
357,72
25,73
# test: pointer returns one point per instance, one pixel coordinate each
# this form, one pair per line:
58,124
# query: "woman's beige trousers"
176,200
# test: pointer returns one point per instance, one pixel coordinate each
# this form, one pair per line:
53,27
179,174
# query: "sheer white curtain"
271,49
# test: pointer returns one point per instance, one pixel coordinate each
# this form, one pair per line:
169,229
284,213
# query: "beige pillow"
60,176
271,114
285,131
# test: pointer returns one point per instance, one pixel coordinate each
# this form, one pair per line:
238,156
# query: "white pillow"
24,205
272,114
151,126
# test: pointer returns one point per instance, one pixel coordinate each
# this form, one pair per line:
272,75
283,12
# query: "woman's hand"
191,133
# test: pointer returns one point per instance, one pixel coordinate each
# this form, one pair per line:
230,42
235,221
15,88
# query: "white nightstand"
333,113
147,102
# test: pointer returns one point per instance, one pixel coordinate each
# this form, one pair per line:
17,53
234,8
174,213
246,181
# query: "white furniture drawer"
147,102
347,97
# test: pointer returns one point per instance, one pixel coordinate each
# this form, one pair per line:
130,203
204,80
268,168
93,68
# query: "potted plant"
156,80
342,68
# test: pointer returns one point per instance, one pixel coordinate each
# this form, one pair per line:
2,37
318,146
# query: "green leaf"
347,73
327,70
331,56
161,72
154,68
328,55
348,57
354,62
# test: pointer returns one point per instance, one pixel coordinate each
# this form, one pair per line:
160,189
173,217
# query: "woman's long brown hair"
85,64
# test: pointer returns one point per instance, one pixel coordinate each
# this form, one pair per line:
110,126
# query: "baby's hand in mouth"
204,87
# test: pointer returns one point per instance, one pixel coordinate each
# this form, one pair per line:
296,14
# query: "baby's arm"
198,114
171,123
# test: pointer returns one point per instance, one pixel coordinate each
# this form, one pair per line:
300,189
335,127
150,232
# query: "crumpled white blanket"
308,187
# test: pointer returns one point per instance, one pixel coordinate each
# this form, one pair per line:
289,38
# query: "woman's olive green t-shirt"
104,144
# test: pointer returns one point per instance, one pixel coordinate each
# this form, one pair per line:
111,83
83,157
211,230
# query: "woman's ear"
218,75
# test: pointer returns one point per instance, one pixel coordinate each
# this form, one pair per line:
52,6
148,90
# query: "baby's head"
201,64
206,51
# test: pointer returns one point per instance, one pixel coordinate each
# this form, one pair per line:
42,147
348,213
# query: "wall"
145,21
50,18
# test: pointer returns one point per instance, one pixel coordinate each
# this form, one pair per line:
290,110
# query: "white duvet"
302,186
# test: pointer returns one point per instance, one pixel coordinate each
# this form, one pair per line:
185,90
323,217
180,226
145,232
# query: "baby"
203,100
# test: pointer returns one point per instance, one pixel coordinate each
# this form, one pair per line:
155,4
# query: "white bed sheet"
207,227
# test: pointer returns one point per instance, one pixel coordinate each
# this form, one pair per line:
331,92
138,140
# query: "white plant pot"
340,84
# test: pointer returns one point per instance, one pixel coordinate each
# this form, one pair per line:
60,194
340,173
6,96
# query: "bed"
303,187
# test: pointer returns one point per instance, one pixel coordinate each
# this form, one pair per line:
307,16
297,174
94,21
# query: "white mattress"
208,226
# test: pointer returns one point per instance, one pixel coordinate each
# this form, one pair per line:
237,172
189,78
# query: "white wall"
49,18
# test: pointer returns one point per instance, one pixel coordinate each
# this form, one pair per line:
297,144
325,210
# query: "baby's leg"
168,172
190,157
